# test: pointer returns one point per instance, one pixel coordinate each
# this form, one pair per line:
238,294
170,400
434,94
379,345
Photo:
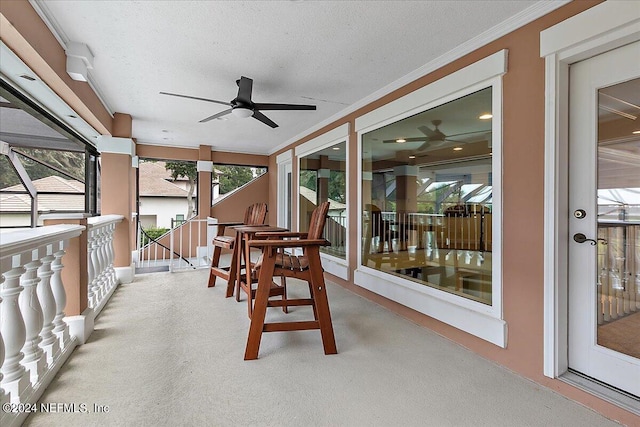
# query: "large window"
323,178
45,167
427,197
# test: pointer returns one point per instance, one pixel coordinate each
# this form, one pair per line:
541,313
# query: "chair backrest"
255,214
318,218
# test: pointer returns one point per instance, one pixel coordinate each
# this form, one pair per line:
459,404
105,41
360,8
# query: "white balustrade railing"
100,256
34,339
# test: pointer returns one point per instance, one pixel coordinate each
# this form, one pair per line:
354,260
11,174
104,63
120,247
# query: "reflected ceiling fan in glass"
434,138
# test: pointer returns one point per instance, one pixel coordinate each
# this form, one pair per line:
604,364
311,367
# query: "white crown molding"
41,8
519,20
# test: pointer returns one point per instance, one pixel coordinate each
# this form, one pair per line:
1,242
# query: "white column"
15,379
97,273
34,359
60,328
49,342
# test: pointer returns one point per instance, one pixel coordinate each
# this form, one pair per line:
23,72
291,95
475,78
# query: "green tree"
233,177
309,179
338,186
180,168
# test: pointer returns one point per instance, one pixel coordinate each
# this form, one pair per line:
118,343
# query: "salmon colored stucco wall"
523,148
232,207
523,204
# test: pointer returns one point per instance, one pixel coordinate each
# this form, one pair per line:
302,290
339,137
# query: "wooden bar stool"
254,215
307,267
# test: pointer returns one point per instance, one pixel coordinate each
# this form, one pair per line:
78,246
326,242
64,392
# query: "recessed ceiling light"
412,157
636,132
165,131
335,148
401,140
486,116
457,149
71,116
27,77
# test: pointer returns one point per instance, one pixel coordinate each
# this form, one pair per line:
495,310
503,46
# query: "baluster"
104,285
95,284
33,359
60,328
49,342
3,397
91,275
111,252
15,379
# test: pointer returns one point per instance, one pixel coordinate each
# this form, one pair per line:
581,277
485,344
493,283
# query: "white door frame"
285,167
586,355
597,30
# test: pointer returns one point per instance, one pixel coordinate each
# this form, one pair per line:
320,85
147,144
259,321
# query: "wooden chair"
254,215
307,267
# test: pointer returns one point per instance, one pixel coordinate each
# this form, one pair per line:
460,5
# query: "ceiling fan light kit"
242,106
241,112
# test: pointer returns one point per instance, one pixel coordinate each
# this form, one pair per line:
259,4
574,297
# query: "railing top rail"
18,241
96,221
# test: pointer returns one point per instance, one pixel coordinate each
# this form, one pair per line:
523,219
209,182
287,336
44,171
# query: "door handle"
581,238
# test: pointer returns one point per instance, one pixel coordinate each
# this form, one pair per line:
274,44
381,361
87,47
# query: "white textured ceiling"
329,53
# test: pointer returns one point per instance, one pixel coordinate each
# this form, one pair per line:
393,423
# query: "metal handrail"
160,244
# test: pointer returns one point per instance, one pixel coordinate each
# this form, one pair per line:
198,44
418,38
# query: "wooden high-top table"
241,253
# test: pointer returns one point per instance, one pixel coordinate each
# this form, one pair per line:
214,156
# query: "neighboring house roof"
71,200
155,181
52,184
310,195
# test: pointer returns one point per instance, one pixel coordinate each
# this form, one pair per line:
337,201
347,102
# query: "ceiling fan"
434,138
243,106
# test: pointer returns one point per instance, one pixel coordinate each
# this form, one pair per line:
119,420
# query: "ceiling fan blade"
432,145
424,146
427,131
197,98
264,119
245,87
469,133
215,116
265,106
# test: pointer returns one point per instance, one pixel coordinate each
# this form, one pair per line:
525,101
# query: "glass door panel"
618,286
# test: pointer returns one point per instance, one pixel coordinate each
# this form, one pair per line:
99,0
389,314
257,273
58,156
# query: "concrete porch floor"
168,351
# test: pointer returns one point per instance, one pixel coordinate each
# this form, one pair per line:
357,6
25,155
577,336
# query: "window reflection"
323,178
427,197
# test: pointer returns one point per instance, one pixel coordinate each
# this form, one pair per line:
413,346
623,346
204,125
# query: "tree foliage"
232,177
184,169
337,184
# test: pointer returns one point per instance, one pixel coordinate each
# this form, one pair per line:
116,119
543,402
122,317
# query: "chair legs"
318,300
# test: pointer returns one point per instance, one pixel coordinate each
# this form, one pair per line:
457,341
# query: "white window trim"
336,266
285,164
599,29
478,319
